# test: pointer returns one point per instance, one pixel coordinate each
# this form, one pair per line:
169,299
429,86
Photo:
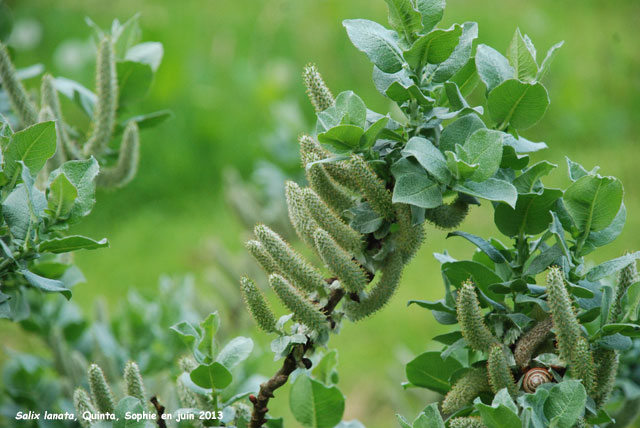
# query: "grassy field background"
230,69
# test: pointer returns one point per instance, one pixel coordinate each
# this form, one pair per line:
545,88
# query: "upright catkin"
291,264
565,323
126,167
328,220
49,97
372,188
339,171
472,325
302,221
318,92
626,278
18,97
531,340
104,115
583,367
303,310
606,361
258,306
100,391
82,404
134,385
350,273
263,258
500,375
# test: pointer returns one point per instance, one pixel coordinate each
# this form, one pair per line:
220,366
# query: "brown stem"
160,409
258,416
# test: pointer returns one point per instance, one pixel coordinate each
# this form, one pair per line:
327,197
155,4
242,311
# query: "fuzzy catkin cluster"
317,214
467,422
103,121
101,398
500,375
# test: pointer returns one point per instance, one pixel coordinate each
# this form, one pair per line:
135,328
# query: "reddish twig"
258,416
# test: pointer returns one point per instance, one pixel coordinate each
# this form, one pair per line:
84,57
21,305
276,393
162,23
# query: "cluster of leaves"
137,331
548,227
48,177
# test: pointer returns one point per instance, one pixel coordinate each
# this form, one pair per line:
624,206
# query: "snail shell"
535,377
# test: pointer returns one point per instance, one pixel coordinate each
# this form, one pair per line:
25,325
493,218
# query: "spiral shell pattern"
535,377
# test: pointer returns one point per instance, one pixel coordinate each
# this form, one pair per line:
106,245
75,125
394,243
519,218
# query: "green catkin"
565,323
258,306
467,422
530,341
581,423
49,97
606,361
82,404
471,320
18,97
263,258
409,237
304,311
291,264
318,92
133,381
327,219
380,293
302,221
328,190
500,375
372,188
582,367
465,390
128,158
311,151
626,278
100,391
350,273
104,115
448,216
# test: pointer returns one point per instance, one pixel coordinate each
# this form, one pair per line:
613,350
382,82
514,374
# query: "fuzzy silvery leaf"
33,146
413,185
458,58
483,147
546,63
134,81
459,130
493,68
429,370
433,48
530,215
525,182
429,157
522,57
593,202
71,243
82,174
149,53
404,18
377,42
492,189
520,105
565,403
315,405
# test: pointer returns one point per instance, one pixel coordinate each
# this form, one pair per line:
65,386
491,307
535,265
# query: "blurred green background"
231,76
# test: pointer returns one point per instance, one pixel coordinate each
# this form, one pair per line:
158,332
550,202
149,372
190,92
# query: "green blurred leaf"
129,406
61,197
46,284
77,93
351,109
149,53
548,59
325,370
466,78
214,375
518,104
314,404
625,329
237,350
81,173
460,56
430,371
377,42
134,81
431,11
33,146
71,243
342,138
208,345
522,58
